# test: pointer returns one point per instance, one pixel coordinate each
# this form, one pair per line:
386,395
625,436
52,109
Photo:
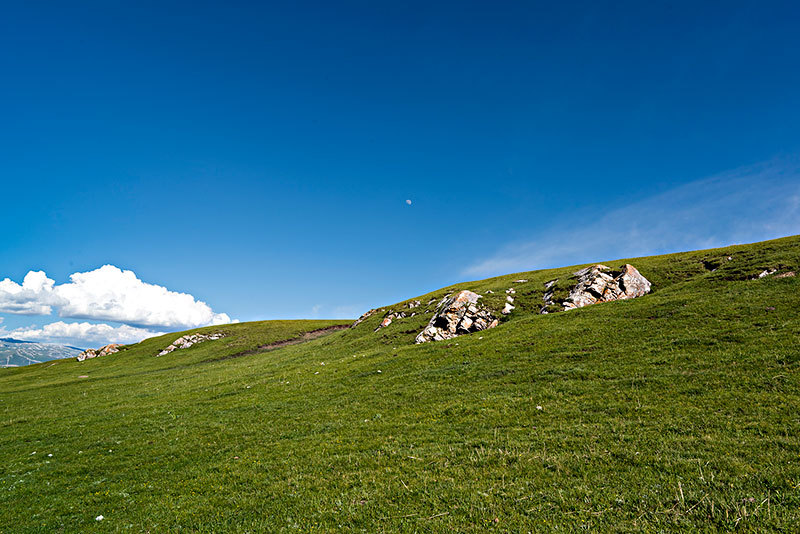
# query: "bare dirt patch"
306,336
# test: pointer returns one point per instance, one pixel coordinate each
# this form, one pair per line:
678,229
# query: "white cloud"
83,333
750,204
33,297
107,294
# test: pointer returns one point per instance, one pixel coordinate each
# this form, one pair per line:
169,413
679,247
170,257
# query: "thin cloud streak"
745,205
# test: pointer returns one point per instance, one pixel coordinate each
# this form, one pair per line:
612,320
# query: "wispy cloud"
749,204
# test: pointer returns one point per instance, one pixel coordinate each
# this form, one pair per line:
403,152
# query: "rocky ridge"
184,342
463,314
88,354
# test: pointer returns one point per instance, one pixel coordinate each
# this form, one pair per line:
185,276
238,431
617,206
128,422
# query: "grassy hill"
676,411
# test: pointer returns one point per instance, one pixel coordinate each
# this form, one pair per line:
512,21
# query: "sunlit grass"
676,411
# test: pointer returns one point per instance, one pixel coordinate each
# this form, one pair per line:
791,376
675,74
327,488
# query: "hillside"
674,411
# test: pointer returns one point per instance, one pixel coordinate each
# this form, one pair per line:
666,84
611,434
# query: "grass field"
677,411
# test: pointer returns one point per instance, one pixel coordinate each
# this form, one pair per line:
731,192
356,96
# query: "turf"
677,411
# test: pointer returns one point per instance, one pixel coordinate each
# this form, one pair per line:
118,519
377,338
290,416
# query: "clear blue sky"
259,155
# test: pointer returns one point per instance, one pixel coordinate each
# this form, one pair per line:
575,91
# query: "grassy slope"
675,411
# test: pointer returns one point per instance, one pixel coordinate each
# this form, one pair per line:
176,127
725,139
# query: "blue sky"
258,156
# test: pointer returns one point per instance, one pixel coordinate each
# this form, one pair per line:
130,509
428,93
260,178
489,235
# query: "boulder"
456,315
599,283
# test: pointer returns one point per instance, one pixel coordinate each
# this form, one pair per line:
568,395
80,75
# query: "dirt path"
306,336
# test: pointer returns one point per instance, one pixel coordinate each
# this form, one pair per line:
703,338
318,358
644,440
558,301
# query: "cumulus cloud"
107,294
82,333
34,296
745,205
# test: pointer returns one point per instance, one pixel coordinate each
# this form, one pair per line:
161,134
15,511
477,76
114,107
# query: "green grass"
677,411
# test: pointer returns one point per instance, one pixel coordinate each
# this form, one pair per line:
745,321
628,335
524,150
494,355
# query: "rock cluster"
393,315
184,342
364,317
508,308
770,272
547,298
767,272
88,354
457,314
599,283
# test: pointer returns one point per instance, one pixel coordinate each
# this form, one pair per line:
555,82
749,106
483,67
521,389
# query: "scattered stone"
507,309
88,354
520,281
598,283
788,274
489,292
413,304
509,298
365,316
391,317
184,342
458,314
511,291
767,272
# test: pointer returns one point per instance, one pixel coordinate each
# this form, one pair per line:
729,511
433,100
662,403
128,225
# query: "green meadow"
675,412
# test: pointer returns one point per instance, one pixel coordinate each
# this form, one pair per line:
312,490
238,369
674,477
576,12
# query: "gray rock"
458,314
599,283
88,354
188,340
363,317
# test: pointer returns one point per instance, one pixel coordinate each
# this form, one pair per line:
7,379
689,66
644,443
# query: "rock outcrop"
184,342
88,354
547,298
456,315
599,283
364,317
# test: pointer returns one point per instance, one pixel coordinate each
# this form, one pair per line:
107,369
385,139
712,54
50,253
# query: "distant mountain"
15,352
